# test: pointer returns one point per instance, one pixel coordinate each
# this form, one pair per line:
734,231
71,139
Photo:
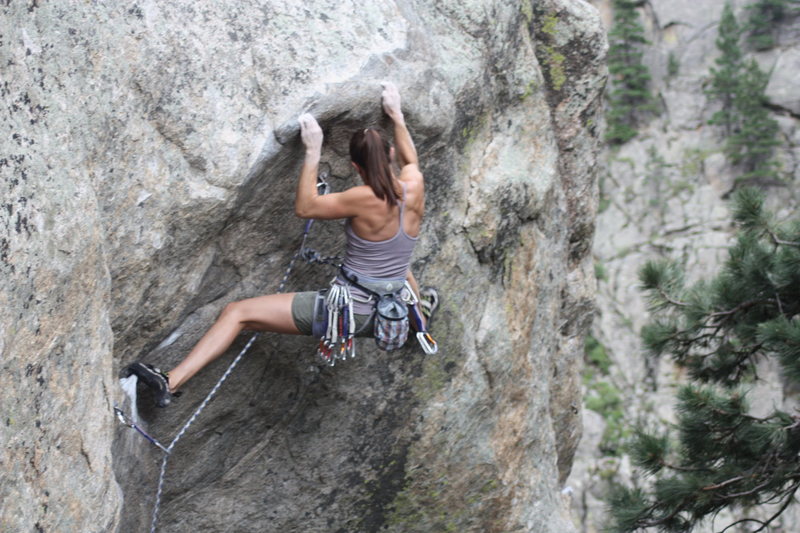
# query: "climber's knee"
233,312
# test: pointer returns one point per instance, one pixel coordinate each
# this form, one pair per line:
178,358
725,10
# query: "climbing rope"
322,188
310,256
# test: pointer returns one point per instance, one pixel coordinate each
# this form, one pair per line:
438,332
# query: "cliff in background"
149,160
664,194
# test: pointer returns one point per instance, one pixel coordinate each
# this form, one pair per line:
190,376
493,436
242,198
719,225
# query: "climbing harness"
336,341
396,303
394,310
390,310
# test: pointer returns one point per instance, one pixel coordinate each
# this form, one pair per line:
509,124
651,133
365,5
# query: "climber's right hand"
310,132
390,98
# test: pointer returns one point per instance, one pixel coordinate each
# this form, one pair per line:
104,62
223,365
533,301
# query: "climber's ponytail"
369,149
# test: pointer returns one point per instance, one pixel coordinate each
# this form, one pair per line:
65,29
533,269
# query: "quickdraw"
338,341
424,338
125,420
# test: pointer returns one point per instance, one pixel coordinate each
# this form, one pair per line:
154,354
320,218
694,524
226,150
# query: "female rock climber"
383,223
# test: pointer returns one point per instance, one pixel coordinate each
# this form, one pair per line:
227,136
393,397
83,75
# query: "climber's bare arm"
308,203
406,152
404,146
346,204
413,282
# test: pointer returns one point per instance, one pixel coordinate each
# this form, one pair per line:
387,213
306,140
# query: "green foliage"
662,280
763,18
782,337
603,397
549,24
739,86
673,65
603,205
555,67
748,209
604,202
629,96
657,336
752,144
606,400
600,271
649,450
692,161
723,456
657,179
725,76
596,355
596,359
628,504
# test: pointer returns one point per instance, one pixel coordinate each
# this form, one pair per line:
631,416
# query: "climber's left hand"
310,132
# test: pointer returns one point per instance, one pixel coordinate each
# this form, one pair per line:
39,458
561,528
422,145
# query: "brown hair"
369,149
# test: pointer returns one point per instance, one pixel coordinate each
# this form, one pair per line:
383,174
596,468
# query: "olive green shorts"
303,315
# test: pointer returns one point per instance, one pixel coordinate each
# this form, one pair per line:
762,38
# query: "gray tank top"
378,260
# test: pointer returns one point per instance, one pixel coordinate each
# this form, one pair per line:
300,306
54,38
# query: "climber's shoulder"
411,174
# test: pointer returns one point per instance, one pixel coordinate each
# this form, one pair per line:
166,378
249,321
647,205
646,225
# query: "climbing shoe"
428,301
154,379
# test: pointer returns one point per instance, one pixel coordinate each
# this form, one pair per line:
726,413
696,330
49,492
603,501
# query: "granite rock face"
665,194
150,155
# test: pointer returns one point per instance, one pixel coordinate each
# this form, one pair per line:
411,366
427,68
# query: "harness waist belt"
371,286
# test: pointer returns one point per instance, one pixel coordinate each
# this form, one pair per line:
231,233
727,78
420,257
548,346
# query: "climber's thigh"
272,312
303,315
303,311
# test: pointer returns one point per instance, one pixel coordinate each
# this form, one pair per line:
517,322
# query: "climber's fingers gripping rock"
310,132
391,99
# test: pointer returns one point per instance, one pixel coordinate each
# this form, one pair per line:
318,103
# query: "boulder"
153,153
781,90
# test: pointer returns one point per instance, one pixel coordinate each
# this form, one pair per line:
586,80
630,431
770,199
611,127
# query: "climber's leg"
264,313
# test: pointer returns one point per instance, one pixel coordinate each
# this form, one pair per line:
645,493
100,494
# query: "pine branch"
743,417
724,483
747,492
788,501
755,418
778,300
777,240
792,426
742,306
664,519
719,330
691,341
667,298
780,495
742,521
684,468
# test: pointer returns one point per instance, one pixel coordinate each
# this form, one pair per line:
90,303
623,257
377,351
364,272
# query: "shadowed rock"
157,149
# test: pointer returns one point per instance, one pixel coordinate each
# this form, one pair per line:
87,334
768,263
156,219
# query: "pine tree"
629,95
763,18
739,87
752,145
723,456
725,78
